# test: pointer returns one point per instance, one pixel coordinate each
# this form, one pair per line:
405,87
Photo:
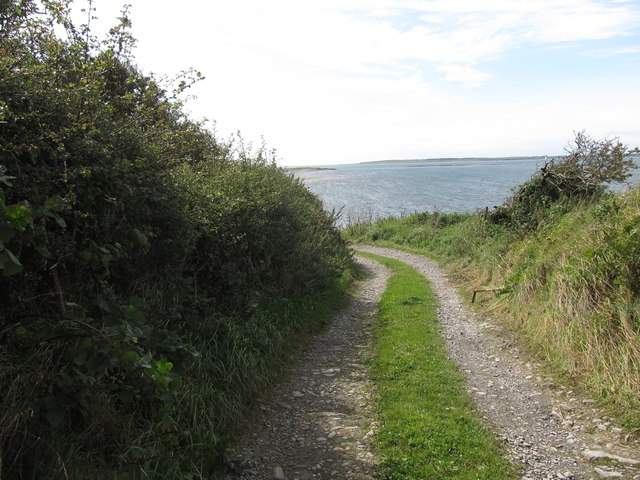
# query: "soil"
320,422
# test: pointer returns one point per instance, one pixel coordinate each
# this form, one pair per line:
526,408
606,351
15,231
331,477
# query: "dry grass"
571,288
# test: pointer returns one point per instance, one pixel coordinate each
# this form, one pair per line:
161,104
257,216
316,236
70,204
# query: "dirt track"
319,424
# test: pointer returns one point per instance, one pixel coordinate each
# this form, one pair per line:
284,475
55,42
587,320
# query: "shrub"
136,252
582,174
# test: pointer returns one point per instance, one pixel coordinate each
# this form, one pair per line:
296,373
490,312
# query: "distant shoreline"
456,159
307,169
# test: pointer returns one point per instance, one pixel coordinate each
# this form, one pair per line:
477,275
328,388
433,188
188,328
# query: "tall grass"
570,287
240,358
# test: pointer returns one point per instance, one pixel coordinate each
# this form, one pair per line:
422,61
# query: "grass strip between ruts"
428,426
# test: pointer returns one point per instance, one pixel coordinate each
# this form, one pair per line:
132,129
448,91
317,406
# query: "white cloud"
340,80
613,52
351,35
464,73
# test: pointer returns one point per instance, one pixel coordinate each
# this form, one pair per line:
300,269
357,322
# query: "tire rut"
318,424
546,428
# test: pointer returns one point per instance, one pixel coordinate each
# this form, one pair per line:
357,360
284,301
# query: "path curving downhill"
547,429
319,423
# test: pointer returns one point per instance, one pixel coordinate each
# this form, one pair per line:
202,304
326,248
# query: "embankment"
567,281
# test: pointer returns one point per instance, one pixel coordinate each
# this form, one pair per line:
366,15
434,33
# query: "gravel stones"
545,427
320,423
278,473
601,455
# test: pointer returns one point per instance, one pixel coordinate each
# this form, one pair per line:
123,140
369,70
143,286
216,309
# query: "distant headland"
307,169
455,159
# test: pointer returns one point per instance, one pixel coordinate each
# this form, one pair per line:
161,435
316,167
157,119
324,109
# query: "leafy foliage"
580,175
137,250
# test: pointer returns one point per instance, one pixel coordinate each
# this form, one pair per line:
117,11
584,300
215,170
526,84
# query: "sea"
368,191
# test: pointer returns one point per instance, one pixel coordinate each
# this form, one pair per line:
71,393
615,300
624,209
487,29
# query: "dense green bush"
150,273
583,174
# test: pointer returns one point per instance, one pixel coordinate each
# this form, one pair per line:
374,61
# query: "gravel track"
546,428
318,424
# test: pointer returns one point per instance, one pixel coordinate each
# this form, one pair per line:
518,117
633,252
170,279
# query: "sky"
343,81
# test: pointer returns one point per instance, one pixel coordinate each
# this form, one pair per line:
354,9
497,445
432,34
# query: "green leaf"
135,301
145,360
164,366
141,238
20,216
130,356
9,264
134,315
5,178
58,219
131,333
55,203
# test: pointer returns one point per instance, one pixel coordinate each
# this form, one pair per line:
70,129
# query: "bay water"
372,190
368,191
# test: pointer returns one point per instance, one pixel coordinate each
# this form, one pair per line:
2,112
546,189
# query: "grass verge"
242,360
569,289
428,426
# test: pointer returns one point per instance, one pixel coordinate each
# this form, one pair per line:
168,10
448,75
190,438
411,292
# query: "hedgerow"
581,175
150,272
